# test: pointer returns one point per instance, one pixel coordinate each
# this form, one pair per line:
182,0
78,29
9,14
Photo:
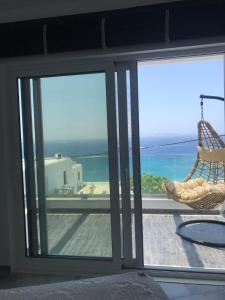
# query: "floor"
181,291
80,234
90,235
163,247
174,291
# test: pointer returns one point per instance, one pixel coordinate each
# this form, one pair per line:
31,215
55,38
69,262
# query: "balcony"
81,227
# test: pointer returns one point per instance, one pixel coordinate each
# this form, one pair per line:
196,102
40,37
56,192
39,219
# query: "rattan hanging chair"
204,187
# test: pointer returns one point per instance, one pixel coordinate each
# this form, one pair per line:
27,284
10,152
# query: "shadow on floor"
68,235
189,248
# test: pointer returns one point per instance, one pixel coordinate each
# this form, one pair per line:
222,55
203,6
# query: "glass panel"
70,129
130,161
169,111
118,153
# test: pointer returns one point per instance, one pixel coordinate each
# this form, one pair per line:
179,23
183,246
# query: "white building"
62,175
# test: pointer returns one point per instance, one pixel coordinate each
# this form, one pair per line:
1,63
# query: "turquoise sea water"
171,161
173,167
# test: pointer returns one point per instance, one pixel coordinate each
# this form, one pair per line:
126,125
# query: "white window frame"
20,262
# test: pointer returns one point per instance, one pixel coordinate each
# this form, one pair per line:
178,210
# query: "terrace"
84,230
79,224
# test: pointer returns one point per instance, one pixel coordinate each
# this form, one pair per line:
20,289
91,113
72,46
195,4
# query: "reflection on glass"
76,167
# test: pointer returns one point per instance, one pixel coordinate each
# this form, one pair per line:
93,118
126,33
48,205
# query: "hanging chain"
202,112
208,97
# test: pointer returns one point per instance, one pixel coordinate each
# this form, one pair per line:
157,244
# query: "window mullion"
40,165
29,168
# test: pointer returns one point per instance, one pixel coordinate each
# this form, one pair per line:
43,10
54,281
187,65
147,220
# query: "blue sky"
169,92
74,107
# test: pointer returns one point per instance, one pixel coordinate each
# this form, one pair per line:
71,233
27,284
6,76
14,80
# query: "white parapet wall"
103,203
95,203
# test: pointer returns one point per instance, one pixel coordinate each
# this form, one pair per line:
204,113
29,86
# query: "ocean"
157,156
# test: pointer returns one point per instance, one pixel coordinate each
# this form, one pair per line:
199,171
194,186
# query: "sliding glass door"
98,141
69,165
159,109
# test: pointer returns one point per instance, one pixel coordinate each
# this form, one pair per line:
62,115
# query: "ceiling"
17,10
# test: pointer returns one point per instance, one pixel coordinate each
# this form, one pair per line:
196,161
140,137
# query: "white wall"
14,10
54,174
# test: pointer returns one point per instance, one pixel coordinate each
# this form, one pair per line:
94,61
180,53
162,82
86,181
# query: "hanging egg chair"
204,187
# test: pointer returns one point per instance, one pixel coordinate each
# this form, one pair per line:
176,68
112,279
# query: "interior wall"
4,232
14,10
4,221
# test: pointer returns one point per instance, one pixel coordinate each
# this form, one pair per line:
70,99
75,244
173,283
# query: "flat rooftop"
54,160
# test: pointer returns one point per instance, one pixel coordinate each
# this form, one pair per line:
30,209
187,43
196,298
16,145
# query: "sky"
169,102
74,107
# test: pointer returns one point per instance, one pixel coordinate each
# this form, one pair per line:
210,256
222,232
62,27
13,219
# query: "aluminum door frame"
130,261
68,265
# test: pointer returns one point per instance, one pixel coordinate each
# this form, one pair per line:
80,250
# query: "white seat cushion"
193,189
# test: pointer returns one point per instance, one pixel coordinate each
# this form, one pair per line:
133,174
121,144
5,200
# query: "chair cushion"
193,189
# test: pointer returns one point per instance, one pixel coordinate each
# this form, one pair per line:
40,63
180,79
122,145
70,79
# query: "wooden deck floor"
162,246
90,235
80,234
